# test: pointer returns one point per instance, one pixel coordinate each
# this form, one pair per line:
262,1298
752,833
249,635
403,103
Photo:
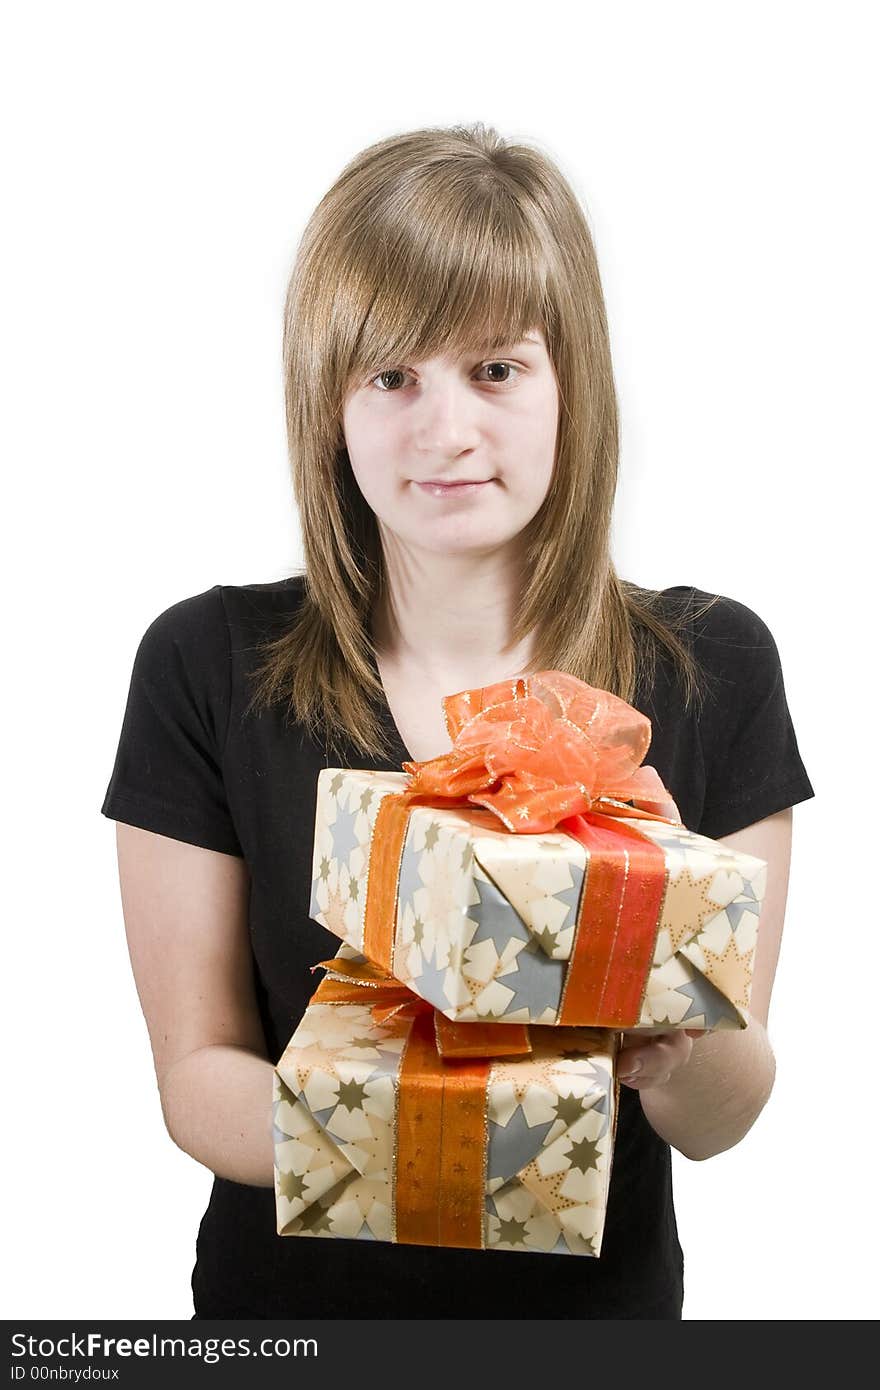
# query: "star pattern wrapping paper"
549,1127
484,920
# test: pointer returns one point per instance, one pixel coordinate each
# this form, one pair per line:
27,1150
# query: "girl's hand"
647,1060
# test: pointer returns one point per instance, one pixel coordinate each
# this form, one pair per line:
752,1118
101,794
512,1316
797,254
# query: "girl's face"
456,456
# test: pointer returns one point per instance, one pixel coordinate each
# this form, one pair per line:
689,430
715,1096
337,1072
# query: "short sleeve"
168,774
752,761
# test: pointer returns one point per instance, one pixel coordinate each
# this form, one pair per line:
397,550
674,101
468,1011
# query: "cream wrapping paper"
484,920
548,1128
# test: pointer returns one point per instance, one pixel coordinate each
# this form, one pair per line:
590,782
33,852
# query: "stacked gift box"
505,910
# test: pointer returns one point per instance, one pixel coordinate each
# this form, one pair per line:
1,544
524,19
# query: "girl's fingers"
654,1063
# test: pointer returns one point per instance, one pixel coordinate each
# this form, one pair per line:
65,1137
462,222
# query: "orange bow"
346,981
540,753
538,749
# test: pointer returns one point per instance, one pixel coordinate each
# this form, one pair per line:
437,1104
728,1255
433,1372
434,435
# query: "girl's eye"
383,378
506,366
392,372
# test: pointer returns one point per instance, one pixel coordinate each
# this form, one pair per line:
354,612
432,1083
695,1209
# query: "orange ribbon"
557,746
346,980
538,753
439,1174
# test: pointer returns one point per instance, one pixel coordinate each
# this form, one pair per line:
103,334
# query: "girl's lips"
452,489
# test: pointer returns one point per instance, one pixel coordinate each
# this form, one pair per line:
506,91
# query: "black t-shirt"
191,765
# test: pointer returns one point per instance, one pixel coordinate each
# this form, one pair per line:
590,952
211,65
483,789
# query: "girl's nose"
446,419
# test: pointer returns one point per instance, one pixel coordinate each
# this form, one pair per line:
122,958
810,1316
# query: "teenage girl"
453,433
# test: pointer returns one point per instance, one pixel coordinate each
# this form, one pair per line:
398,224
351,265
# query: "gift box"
538,873
392,1123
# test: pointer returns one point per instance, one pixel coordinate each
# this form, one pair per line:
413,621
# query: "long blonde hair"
430,242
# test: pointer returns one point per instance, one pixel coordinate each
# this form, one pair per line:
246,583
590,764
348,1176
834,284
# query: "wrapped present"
394,1123
537,873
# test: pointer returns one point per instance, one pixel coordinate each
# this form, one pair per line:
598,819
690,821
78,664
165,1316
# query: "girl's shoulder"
204,629
712,618
748,745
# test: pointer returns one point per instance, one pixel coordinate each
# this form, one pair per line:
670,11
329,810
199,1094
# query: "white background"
161,162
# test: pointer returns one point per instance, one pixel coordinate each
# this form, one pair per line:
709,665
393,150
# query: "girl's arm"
186,916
